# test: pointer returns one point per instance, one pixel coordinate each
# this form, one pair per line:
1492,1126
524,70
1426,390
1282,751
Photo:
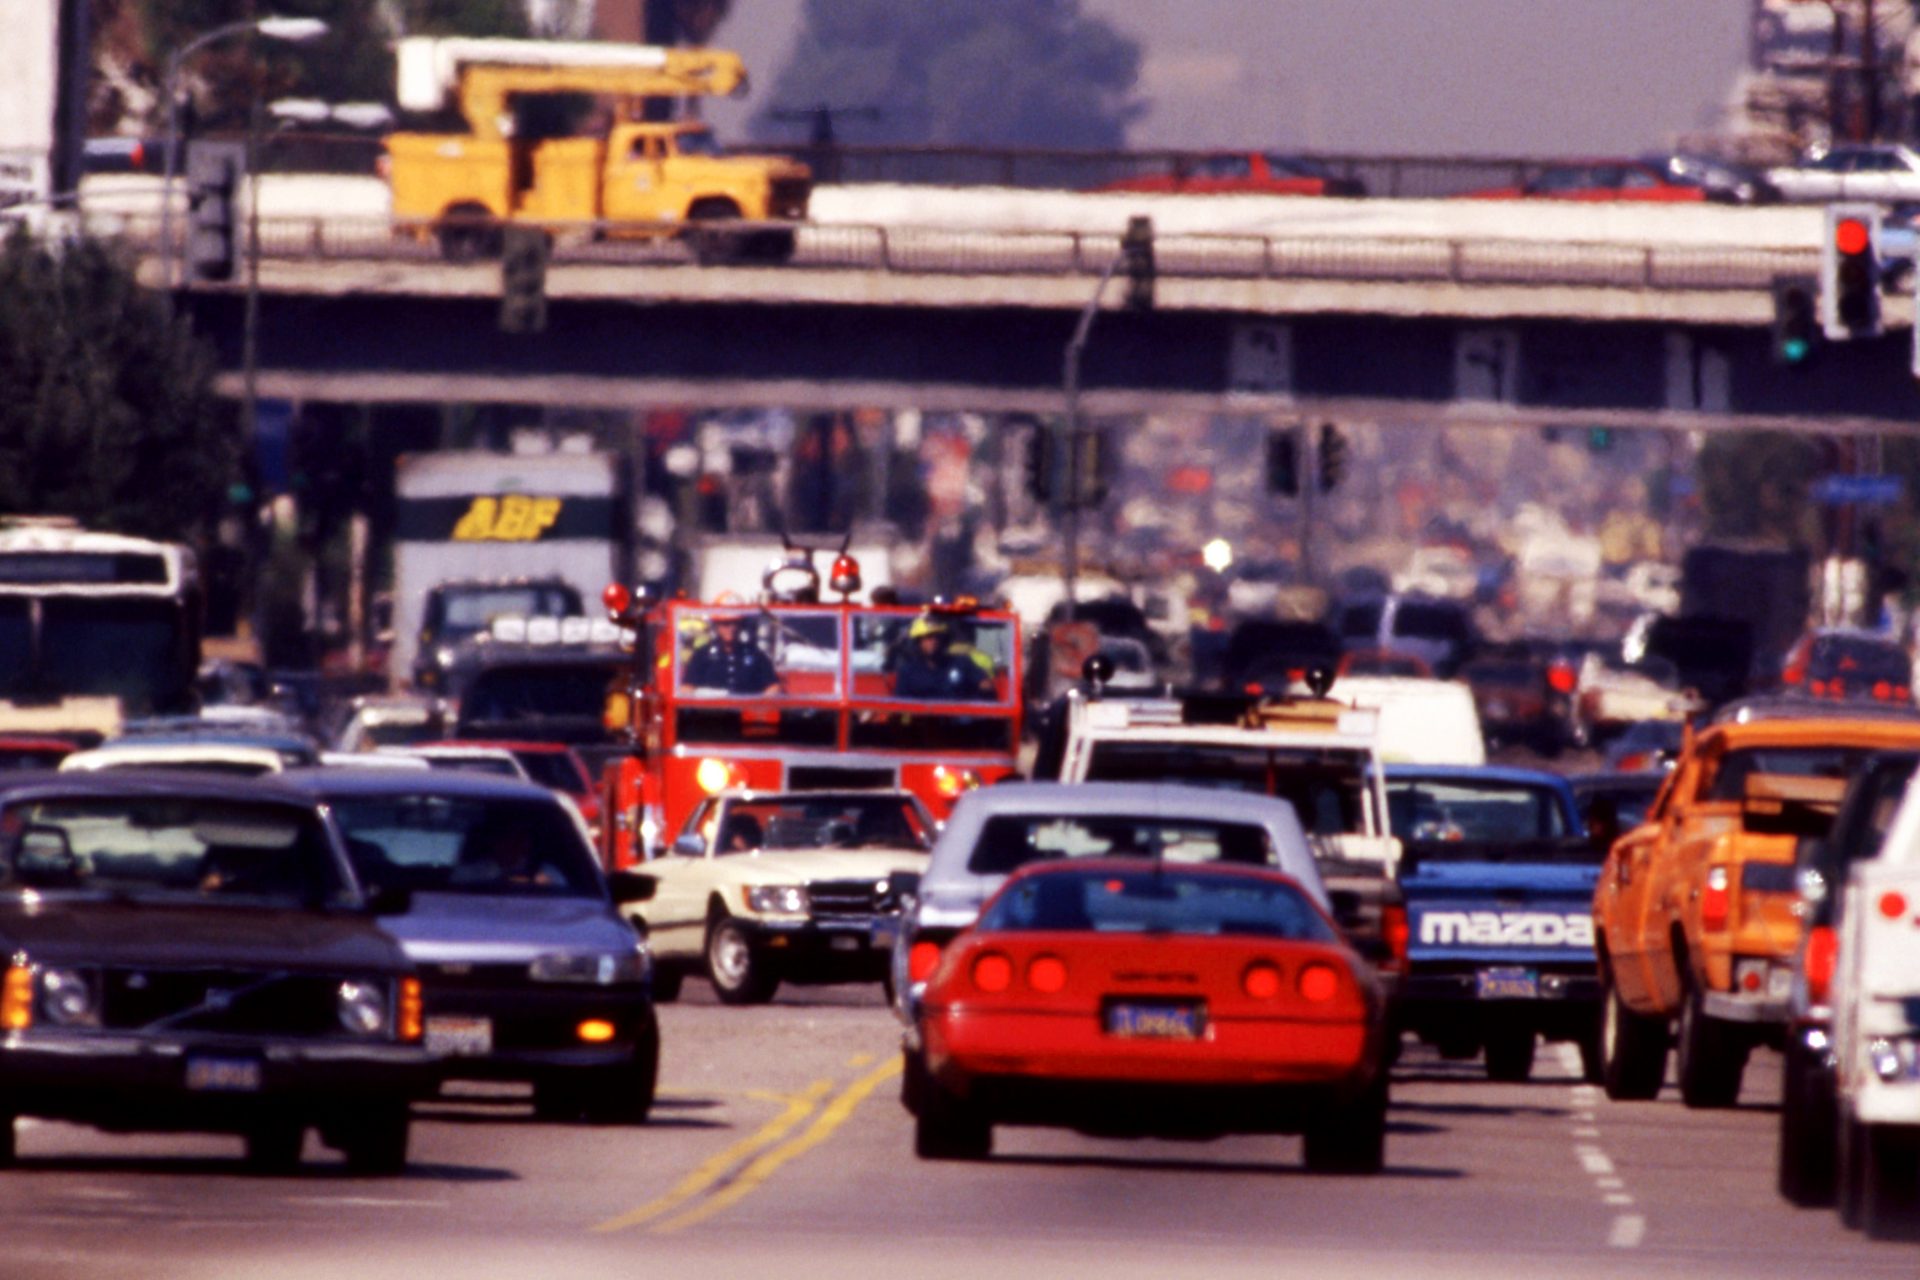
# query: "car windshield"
554,769
492,766
1474,811
1158,901
172,846
1325,787
465,611
820,822
1009,841
466,844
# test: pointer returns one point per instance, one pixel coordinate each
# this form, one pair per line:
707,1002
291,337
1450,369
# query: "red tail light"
1882,690
1261,980
1393,928
1047,974
1823,951
1715,900
1318,983
1561,678
922,959
992,972
1818,688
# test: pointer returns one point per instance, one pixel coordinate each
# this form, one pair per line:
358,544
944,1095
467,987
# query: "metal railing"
927,251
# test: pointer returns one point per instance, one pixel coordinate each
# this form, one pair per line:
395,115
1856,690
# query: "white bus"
95,628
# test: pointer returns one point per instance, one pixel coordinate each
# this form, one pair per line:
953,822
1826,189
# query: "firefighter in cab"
935,668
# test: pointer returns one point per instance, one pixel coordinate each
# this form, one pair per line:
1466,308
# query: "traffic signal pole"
1068,437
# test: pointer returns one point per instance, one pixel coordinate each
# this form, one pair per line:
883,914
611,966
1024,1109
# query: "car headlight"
362,1007
603,968
778,899
68,999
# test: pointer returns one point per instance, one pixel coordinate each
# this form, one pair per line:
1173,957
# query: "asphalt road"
780,1147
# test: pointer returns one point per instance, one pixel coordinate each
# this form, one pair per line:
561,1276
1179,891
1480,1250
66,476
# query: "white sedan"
1886,172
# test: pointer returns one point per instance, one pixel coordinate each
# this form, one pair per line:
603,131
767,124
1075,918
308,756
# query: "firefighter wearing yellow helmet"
936,668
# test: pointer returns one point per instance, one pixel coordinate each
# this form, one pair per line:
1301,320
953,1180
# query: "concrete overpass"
1432,311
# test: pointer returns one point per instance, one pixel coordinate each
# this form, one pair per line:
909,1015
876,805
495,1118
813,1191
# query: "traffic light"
213,176
1283,461
523,280
1136,253
1850,272
1333,456
1796,322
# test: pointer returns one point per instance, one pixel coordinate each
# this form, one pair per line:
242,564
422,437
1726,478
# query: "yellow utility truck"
624,176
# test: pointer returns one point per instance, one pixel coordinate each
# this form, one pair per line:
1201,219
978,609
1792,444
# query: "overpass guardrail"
907,250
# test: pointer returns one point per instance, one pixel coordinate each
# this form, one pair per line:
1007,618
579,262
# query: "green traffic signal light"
1796,321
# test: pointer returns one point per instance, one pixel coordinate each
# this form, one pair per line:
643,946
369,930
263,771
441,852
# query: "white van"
1421,721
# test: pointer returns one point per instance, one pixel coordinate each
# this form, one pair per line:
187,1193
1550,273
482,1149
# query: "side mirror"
387,900
688,845
631,886
1812,883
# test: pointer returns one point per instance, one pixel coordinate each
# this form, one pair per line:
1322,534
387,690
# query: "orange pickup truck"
1695,917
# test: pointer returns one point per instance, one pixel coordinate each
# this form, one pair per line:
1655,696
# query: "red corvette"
1138,998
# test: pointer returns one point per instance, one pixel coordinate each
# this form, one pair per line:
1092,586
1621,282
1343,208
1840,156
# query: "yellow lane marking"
799,1107
859,1060
830,1118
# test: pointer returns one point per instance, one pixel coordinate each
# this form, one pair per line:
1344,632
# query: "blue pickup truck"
1498,874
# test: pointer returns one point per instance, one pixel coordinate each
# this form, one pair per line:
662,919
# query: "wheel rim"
729,955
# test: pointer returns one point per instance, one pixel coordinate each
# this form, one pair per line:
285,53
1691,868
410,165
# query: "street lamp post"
290,30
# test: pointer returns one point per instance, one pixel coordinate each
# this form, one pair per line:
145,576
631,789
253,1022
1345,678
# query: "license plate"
223,1075
460,1037
844,942
1133,1020
1509,983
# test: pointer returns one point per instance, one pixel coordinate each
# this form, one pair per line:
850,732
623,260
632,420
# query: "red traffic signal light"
1850,273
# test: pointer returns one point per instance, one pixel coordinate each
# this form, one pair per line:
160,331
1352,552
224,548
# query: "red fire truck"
805,695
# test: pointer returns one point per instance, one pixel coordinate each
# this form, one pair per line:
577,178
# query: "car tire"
375,1141
913,1081
1633,1049
274,1146
1593,1064
1890,1181
1509,1053
625,1094
1711,1058
735,967
1850,1176
1809,1129
666,983
947,1128
9,1151
1353,1138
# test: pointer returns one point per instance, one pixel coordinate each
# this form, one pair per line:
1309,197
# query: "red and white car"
1137,997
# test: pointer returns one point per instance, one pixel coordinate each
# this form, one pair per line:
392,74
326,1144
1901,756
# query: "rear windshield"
1326,791
1009,841
553,769
1157,902
1475,811
1730,779
1851,659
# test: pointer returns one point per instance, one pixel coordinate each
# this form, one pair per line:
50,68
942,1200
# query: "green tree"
107,411
986,73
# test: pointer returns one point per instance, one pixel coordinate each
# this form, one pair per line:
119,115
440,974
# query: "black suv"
457,611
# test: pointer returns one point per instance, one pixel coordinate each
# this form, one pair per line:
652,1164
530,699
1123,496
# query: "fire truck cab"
806,696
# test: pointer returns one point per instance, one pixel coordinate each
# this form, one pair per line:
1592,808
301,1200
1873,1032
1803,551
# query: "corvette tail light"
1561,678
1823,950
922,959
1715,901
1047,974
1818,688
1893,904
16,999
1393,928
1317,983
1261,980
992,972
